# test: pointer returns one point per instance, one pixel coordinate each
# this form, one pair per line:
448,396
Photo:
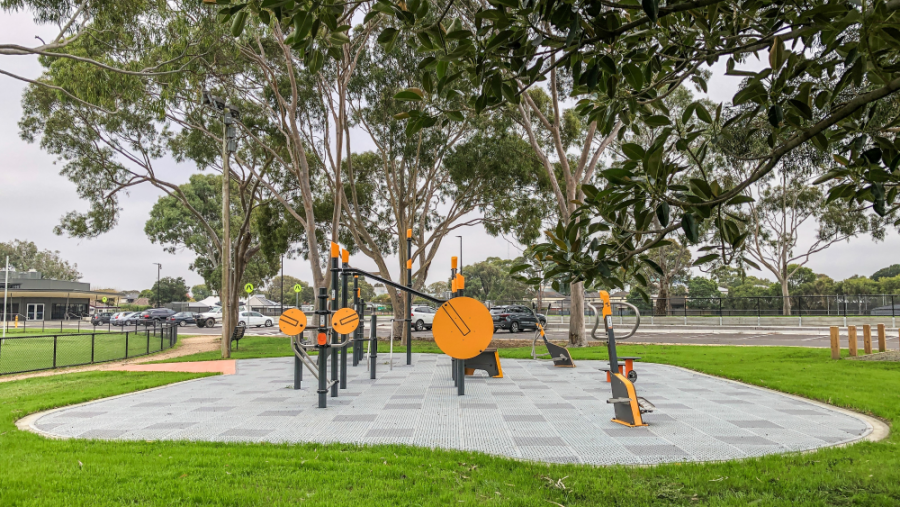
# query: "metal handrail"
637,320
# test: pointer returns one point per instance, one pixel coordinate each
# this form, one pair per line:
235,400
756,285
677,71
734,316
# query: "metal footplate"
645,405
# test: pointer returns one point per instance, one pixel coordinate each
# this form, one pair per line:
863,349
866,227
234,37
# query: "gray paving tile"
535,412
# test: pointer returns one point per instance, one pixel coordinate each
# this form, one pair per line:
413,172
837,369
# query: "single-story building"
30,296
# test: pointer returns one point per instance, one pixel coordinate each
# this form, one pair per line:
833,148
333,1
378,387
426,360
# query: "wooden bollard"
867,338
882,339
851,334
835,342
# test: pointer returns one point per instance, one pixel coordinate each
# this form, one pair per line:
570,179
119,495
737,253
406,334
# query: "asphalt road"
809,337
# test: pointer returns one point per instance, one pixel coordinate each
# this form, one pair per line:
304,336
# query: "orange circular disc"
463,328
345,320
292,322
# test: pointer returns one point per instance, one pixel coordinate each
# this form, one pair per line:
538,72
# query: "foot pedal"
645,405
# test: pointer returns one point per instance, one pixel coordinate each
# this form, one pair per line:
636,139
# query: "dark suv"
101,318
155,316
515,318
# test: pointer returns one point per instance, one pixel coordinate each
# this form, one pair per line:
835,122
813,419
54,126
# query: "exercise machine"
560,355
629,407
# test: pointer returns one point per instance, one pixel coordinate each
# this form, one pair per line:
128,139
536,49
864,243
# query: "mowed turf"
26,353
38,471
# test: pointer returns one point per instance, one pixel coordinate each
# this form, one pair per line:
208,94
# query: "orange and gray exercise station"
628,406
462,328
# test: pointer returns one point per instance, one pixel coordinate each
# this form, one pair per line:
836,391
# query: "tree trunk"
785,298
576,317
398,301
662,300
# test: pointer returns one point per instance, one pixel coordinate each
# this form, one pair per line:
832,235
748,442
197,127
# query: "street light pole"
460,254
230,115
158,269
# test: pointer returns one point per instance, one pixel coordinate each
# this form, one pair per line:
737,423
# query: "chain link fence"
23,352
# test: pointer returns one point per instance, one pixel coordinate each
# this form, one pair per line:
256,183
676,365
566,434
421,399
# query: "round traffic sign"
463,328
292,322
345,320
248,288
298,288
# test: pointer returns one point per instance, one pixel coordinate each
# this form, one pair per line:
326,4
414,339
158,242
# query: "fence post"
126,345
758,313
882,339
851,335
835,343
148,344
685,310
867,338
92,346
800,310
893,313
845,310
720,311
54,351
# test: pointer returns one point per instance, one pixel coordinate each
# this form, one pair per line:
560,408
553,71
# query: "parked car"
307,308
99,319
133,319
119,318
515,318
214,315
155,316
183,319
422,317
246,319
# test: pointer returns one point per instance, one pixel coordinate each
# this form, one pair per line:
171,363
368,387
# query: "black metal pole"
322,341
298,365
373,346
409,296
357,334
345,259
335,253
282,284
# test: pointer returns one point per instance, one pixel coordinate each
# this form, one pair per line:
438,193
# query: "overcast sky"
33,197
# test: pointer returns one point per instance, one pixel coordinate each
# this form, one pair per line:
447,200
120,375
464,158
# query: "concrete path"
536,412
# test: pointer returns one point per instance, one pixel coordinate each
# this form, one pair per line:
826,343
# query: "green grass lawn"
35,353
38,471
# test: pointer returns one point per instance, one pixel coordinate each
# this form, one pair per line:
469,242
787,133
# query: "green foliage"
274,293
167,290
24,255
890,271
700,287
200,292
491,280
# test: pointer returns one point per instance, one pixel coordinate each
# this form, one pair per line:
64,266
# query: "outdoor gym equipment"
560,355
628,406
637,320
463,329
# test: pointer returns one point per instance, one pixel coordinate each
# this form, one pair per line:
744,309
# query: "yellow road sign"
345,320
463,328
248,288
292,322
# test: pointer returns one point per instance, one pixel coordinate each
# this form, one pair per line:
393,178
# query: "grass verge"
47,472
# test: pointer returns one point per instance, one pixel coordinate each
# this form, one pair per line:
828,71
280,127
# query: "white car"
213,316
422,317
257,319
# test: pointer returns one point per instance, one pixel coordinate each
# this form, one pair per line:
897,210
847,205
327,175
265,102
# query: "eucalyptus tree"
175,227
111,129
831,74
81,27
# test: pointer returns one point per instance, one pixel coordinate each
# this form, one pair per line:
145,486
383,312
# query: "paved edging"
27,423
